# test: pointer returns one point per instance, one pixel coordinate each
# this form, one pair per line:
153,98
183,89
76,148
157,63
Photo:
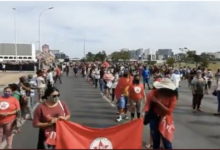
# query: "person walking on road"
41,84
158,112
199,88
146,77
217,75
97,76
9,106
136,95
76,69
67,70
50,79
121,94
3,67
58,75
209,76
46,116
176,78
218,98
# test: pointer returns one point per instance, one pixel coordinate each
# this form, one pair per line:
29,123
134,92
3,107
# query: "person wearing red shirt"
9,107
136,95
159,111
58,75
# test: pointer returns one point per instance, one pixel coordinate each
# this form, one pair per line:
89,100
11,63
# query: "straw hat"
165,83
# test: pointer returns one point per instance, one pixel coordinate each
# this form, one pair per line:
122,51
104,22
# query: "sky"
111,26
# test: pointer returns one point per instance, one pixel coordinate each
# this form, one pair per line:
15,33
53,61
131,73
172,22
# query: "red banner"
75,136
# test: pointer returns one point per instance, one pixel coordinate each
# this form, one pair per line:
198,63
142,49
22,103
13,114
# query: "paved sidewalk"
11,77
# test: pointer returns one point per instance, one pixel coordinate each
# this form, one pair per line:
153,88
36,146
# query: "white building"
25,52
150,54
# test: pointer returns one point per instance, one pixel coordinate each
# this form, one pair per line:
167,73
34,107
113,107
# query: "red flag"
75,136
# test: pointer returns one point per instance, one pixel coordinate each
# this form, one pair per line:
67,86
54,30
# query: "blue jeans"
218,97
156,136
122,103
101,85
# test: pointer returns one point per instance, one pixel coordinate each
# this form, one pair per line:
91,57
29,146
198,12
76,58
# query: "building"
215,54
25,52
163,54
136,54
149,54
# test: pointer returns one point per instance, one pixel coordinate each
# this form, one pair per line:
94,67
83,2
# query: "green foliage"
204,63
202,59
90,56
100,56
124,55
170,61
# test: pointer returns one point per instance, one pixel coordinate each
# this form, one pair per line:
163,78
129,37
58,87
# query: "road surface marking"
108,100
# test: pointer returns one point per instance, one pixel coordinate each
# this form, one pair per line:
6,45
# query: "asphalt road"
193,130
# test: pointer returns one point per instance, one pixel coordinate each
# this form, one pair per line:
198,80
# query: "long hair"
136,80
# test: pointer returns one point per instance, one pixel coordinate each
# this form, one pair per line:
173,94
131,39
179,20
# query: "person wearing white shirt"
41,85
114,84
209,76
97,77
50,78
3,67
176,78
33,84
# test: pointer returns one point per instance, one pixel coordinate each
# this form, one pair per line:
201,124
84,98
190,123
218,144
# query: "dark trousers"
41,139
197,98
57,77
96,83
67,73
156,136
113,94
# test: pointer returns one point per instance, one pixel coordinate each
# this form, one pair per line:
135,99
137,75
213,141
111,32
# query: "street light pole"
84,48
15,34
39,32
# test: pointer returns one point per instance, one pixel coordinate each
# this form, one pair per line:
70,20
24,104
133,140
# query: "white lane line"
108,100
4,143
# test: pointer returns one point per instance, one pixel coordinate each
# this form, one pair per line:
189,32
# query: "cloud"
111,26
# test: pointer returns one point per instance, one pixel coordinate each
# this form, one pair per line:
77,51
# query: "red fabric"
58,71
106,64
75,136
166,126
122,84
135,94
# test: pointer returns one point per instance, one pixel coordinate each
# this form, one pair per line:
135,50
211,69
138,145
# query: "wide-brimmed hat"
165,83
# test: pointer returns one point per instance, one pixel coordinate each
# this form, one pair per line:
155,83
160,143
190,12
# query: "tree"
170,61
90,56
100,56
204,63
125,55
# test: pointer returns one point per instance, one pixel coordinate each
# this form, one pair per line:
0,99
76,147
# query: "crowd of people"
123,83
